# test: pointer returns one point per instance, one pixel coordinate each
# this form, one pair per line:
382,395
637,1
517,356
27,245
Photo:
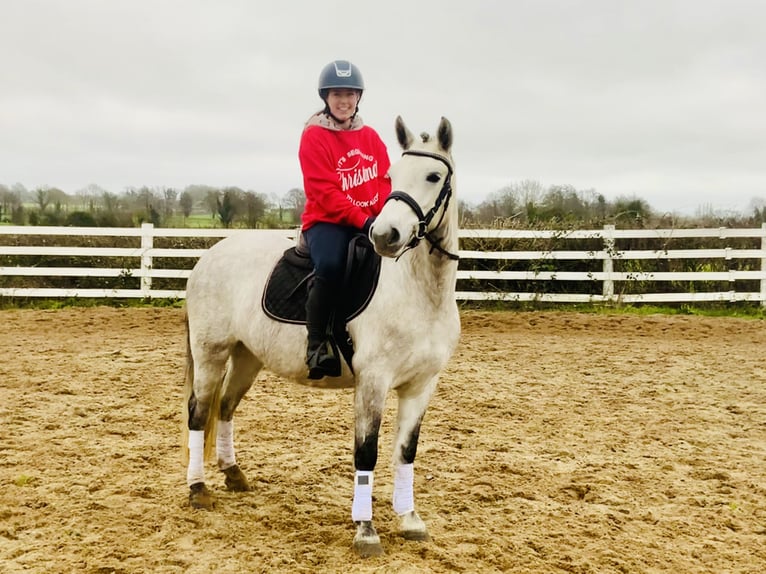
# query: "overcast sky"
661,99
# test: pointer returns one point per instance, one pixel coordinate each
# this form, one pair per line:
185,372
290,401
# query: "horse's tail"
211,426
188,388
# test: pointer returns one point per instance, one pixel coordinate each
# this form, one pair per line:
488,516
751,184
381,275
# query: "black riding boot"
321,356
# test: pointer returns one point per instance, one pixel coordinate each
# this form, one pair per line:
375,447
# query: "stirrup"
323,362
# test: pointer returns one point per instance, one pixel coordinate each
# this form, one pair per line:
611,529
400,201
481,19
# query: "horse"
402,340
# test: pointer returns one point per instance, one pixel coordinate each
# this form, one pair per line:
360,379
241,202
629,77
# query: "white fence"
733,266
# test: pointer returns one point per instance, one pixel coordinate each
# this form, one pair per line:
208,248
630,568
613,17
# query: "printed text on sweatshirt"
345,175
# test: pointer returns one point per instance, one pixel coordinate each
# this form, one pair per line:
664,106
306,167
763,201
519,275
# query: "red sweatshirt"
345,172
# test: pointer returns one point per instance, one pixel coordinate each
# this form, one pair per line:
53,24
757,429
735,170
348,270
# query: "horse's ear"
403,134
444,134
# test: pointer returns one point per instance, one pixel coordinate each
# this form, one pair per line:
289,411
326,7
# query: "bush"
80,219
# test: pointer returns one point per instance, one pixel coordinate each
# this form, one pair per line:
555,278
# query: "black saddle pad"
284,298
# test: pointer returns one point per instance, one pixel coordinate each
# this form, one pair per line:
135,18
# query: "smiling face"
342,103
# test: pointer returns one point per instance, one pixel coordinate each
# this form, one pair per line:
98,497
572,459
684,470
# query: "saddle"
286,292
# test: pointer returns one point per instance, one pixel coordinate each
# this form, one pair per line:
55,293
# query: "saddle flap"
286,291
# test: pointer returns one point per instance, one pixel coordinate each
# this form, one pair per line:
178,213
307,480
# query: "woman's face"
342,103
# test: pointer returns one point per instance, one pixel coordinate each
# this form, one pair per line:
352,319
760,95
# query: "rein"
424,220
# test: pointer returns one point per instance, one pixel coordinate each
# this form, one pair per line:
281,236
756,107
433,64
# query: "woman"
345,178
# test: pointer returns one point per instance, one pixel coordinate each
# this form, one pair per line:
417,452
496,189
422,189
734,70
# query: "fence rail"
730,266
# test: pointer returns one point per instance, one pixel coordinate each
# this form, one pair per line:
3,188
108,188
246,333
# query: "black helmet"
340,74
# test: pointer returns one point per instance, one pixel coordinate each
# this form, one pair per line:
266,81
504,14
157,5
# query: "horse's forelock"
443,136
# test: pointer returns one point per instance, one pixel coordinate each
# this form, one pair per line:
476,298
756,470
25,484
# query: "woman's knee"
330,269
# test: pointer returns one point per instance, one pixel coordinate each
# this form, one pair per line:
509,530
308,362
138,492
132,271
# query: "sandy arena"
557,442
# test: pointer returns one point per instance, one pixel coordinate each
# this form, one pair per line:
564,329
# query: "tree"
255,208
212,199
18,216
59,199
517,201
8,202
110,202
155,217
600,207
169,196
758,210
276,202
108,215
21,192
199,192
631,210
295,201
226,206
564,203
88,196
146,197
186,201
42,197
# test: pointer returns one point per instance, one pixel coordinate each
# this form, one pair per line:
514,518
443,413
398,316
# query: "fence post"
608,289
763,264
147,243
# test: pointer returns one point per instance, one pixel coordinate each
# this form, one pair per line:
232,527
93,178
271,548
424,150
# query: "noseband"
424,220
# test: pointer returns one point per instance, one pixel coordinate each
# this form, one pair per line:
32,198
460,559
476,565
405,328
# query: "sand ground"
556,442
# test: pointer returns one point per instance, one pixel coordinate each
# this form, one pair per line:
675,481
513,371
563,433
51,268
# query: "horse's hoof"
417,535
236,479
367,541
200,497
367,549
413,528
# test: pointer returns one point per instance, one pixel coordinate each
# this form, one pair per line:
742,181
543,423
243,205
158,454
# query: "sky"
663,100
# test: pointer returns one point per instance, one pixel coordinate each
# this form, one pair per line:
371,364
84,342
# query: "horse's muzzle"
388,240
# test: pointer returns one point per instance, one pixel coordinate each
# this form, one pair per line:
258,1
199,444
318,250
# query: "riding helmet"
340,74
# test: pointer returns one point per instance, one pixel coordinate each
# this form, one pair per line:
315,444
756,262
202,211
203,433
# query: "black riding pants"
328,244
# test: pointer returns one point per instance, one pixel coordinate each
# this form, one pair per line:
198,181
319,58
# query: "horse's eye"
433,177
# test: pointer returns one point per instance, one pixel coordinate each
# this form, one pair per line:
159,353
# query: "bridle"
424,219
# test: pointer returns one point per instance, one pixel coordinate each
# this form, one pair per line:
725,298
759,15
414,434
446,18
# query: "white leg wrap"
224,445
196,471
361,509
404,499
